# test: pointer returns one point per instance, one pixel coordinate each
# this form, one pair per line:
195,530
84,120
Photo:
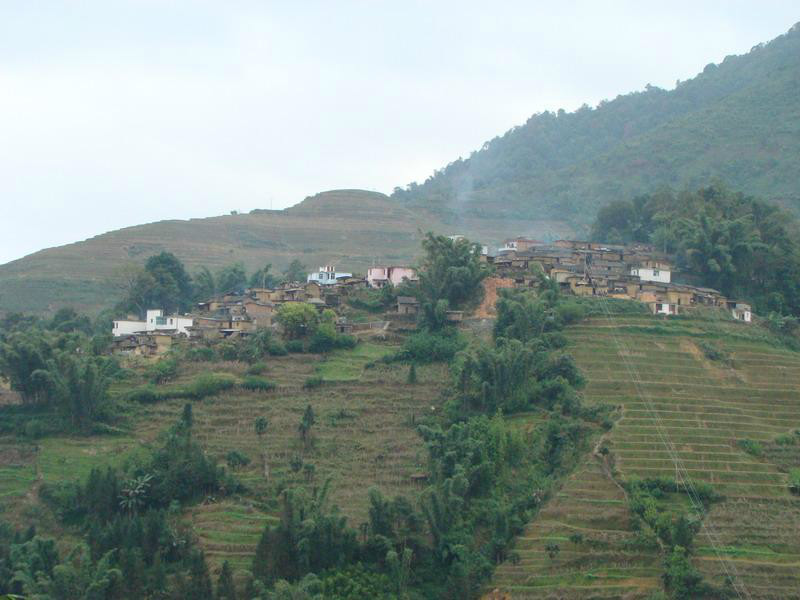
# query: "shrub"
295,346
313,382
34,429
715,354
201,355
794,481
208,384
258,368
146,394
257,384
236,459
570,312
276,348
164,370
427,347
752,447
228,350
786,439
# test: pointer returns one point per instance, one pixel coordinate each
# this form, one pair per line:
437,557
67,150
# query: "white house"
663,308
327,275
741,311
653,270
124,327
156,321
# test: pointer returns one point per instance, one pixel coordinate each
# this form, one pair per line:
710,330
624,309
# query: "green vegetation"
562,167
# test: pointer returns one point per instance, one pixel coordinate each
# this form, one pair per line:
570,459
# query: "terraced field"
364,435
674,402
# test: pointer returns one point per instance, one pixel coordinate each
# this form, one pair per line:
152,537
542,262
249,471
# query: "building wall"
127,327
398,274
650,274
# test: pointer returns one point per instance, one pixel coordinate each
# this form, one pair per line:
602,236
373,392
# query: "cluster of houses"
237,314
634,272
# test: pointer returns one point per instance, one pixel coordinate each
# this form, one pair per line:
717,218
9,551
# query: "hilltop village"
633,272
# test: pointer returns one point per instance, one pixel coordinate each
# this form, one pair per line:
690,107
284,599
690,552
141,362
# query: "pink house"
380,276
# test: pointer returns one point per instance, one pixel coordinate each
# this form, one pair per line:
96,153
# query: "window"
655,272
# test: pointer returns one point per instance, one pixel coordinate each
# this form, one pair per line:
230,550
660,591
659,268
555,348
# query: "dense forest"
737,121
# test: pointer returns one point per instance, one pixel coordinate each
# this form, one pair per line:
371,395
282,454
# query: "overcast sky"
117,113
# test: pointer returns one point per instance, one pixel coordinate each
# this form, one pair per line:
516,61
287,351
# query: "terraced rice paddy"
666,389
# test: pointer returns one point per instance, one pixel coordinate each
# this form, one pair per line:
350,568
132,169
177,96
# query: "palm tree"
134,493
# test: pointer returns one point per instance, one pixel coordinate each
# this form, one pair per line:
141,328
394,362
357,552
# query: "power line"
682,474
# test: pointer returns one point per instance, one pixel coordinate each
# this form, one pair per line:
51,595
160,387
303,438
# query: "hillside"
670,399
675,402
738,121
349,228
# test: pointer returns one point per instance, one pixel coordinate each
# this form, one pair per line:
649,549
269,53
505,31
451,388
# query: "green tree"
205,284
261,424
22,355
232,279
263,278
298,319
173,286
451,271
199,577
163,283
226,590
306,423
412,374
295,272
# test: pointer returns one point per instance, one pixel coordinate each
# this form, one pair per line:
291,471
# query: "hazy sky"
116,113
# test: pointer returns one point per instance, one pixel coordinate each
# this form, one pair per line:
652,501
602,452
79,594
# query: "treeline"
486,475
744,247
134,543
163,282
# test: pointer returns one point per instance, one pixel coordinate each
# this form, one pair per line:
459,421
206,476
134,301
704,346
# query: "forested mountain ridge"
738,121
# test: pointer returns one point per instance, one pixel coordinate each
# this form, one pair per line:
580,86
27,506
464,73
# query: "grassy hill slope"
349,228
664,384
737,121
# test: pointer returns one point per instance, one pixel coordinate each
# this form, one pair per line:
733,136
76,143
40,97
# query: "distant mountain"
738,121
349,228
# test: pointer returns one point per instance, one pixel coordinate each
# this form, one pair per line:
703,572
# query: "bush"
257,384
786,439
313,382
295,346
276,348
201,355
752,447
715,354
258,368
426,347
570,312
794,481
208,384
164,370
146,394
236,459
